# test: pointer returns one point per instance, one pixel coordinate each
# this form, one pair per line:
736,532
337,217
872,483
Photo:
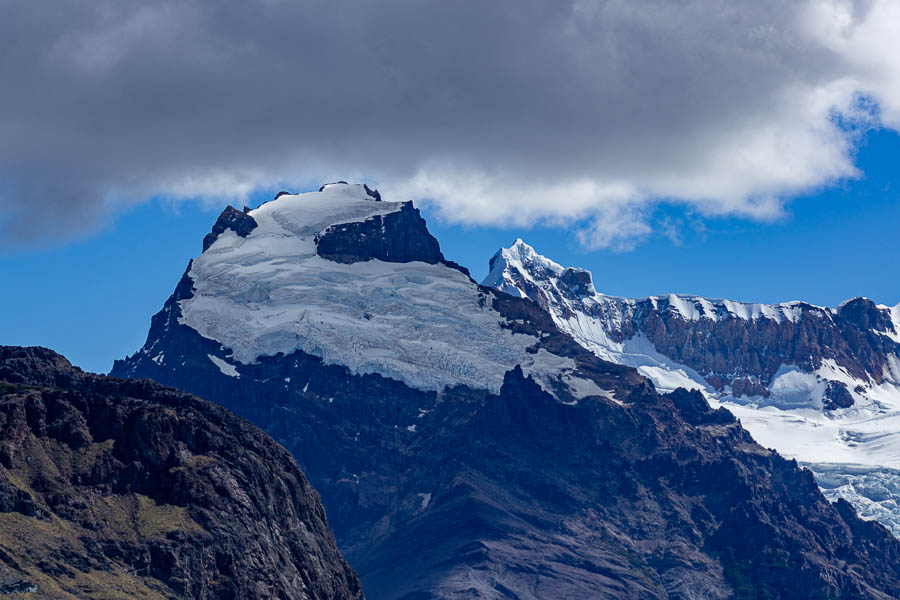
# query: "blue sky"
92,299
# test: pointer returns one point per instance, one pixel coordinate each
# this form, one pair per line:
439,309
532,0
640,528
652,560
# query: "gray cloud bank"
501,112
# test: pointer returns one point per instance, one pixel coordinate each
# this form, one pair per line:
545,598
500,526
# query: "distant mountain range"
818,384
476,442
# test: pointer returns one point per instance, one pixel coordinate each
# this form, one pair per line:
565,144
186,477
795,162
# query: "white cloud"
578,113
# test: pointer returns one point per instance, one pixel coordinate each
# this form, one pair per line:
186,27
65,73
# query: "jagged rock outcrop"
865,315
395,237
233,219
126,489
400,236
466,447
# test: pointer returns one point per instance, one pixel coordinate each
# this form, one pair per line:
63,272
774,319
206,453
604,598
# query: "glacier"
268,292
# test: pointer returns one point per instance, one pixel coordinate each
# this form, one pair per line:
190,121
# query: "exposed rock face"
837,396
375,194
400,237
865,315
126,489
233,219
571,477
395,237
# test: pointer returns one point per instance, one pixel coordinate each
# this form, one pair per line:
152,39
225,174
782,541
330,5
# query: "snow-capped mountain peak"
532,268
344,276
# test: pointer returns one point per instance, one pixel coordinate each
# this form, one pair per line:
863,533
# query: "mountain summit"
465,446
821,385
355,281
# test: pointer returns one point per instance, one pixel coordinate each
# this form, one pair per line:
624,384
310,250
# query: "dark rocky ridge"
126,489
395,237
516,495
399,237
864,314
231,218
747,353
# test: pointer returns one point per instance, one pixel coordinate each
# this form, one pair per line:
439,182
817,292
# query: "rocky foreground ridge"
125,489
466,447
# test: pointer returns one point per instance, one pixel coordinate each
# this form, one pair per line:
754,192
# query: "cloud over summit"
584,111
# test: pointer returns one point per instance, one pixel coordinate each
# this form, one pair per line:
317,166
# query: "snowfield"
426,325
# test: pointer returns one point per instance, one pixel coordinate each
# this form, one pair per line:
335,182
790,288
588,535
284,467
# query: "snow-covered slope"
820,385
268,290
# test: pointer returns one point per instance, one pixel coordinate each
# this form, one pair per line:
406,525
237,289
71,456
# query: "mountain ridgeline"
737,348
466,446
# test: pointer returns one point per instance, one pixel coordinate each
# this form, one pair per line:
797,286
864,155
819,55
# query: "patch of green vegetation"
746,585
198,461
127,518
37,462
115,584
153,519
18,479
117,512
32,542
24,536
112,585
9,388
85,458
194,463
36,550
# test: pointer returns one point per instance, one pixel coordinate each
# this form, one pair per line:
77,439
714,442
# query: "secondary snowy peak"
513,270
356,281
519,259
